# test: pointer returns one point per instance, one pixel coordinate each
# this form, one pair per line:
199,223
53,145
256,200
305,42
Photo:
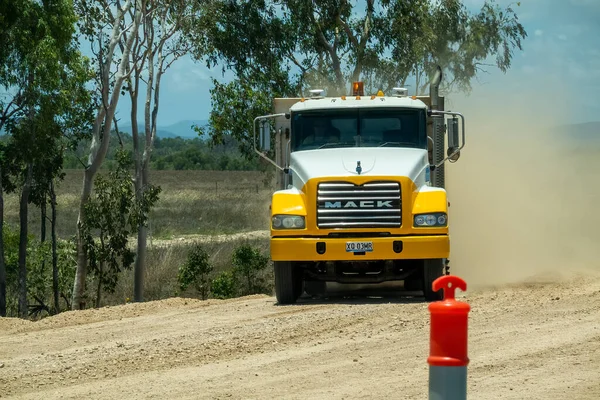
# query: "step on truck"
360,188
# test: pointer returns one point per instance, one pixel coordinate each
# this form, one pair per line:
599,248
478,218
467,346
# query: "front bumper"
412,247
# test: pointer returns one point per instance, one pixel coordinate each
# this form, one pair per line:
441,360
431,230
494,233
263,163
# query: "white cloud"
562,36
528,69
200,73
185,75
539,32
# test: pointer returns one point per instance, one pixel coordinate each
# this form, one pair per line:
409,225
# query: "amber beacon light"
358,89
448,358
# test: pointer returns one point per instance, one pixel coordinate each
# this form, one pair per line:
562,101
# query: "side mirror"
265,137
453,139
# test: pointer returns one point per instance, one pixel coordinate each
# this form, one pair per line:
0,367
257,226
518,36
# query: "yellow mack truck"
361,188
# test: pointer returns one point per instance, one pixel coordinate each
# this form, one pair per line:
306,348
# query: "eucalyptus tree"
111,29
281,47
134,43
42,74
159,44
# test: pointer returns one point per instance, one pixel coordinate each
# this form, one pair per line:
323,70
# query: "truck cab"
360,197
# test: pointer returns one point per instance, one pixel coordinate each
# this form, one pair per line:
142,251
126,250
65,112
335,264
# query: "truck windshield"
390,127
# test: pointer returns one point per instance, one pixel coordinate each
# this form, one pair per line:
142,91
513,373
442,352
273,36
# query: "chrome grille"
371,205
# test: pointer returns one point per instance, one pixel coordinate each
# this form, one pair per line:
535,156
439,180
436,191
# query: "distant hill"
181,129
184,128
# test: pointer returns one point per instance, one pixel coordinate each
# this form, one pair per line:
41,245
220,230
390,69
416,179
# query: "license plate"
357,247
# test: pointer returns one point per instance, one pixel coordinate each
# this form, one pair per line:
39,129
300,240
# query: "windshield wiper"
397,143
335,144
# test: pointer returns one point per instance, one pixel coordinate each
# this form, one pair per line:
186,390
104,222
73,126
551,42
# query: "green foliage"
11,258
248,264
234,107
39,266
111,217
43,78
224,285
67,264
39,282
280,49
294,44
195,271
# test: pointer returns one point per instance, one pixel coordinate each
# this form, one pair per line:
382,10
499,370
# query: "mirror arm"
260,153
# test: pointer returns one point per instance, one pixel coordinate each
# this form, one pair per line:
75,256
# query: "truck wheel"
413,284
432,269
315,288
288,282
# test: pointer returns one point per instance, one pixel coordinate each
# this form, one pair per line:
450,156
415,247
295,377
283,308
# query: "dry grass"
191,202
164,261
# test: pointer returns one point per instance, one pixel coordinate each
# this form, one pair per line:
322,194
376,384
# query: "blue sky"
558,71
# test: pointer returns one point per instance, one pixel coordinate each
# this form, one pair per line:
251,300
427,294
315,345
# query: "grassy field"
191,202
194,206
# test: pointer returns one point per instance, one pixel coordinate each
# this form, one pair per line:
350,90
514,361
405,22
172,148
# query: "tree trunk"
54,252
23,244
2,264
140,262
44,212
140,258
99,288
78,302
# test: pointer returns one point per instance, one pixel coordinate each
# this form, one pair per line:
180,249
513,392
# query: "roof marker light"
316,93
400,92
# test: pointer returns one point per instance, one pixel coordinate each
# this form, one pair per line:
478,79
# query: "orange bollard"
448,358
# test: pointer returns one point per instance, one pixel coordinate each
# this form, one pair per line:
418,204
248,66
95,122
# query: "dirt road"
527,341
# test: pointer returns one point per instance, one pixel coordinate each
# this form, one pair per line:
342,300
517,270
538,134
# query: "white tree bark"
102,127
156,39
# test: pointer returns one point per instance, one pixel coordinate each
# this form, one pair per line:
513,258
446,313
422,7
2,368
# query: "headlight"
288,222
431,220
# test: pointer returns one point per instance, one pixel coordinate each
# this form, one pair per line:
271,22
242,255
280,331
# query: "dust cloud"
523,197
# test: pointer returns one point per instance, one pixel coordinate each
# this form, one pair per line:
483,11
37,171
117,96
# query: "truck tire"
432,269
413,283
288,282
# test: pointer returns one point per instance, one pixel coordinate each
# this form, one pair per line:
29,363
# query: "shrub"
39,273
224,285
248,263
195,271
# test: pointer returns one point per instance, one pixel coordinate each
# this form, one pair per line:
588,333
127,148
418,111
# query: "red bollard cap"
448,335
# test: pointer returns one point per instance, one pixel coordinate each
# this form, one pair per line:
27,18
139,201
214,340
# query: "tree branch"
348,31
335,61
366,33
